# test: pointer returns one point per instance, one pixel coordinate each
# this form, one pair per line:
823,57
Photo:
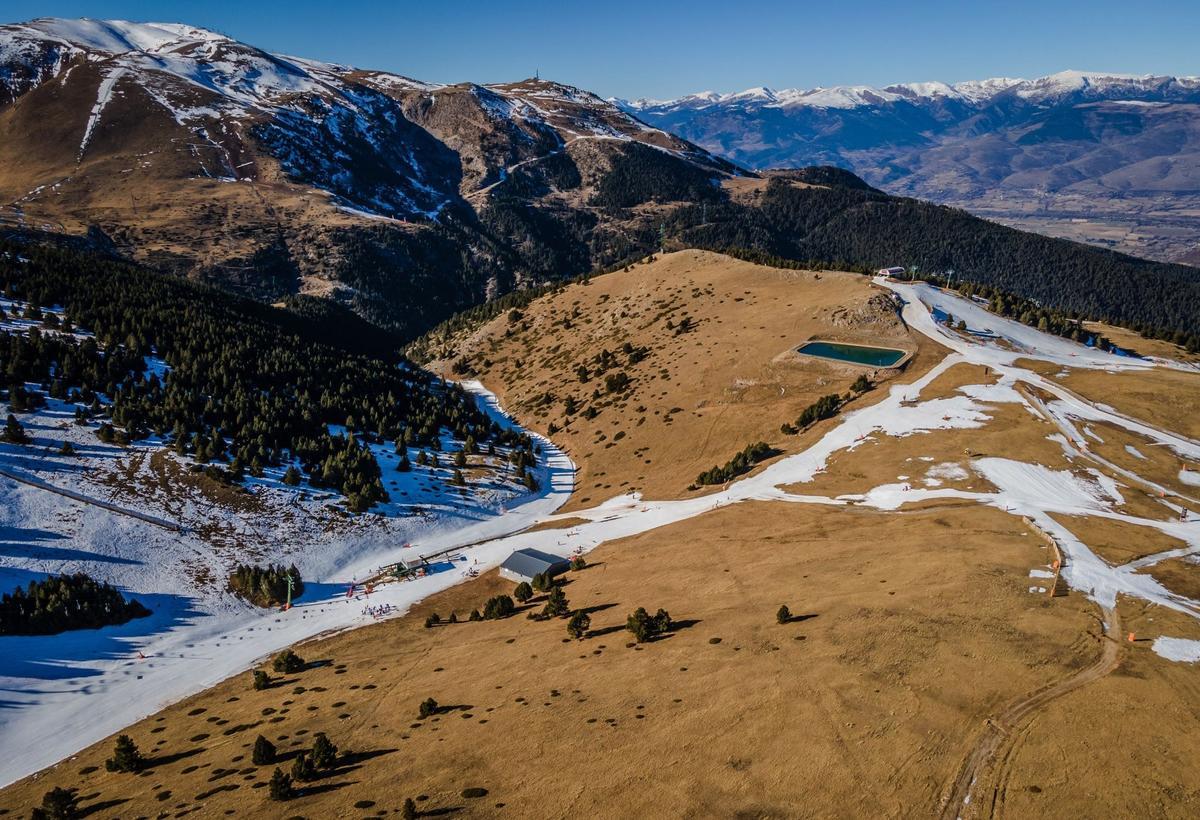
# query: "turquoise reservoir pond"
858,354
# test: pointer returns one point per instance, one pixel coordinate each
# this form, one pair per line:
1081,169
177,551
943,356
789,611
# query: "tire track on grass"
1003,733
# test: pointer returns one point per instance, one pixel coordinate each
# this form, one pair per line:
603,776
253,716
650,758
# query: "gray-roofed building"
522,565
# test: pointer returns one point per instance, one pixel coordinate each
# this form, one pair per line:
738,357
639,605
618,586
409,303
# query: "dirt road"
977,789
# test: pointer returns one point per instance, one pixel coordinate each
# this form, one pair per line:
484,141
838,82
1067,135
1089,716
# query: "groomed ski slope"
55,724
64,692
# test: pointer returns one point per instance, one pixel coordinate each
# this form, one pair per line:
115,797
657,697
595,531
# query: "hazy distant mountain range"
1110,158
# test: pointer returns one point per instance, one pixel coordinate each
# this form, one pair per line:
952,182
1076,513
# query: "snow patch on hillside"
1177,649
103,97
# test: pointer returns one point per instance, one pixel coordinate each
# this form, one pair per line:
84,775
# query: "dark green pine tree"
303,769
556,603
280,787
13,432
264,752
126,757
324,753
57,804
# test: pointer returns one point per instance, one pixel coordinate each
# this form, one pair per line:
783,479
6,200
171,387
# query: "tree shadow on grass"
354,760
440,812
676,626
591,610
323,788
87,811
607,630
166,760
447,708
795,619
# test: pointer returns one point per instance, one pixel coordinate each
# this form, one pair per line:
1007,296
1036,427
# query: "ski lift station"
523,564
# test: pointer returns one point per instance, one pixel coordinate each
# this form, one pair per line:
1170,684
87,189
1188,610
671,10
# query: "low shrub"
288,662
646,627
501,606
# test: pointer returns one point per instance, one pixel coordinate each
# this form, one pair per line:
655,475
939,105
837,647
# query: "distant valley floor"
1162,227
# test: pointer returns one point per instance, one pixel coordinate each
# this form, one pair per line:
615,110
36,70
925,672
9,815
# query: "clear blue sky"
665,48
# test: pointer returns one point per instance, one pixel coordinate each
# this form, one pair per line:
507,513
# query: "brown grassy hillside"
858,706
695,396
914,633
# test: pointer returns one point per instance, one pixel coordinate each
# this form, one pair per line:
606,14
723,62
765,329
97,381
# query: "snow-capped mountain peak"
971,92
978,91
120,36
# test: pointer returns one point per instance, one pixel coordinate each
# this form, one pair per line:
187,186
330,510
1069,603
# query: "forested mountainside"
230,382
826,217
858,228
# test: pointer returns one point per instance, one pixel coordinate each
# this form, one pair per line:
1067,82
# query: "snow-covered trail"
64,692
56,720
107,505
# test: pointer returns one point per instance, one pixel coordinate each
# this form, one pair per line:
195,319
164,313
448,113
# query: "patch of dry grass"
695,397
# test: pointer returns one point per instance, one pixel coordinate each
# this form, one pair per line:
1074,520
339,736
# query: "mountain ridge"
1105,158
974,91
270,175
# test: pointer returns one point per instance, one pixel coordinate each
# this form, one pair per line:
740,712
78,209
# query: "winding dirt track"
975,789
